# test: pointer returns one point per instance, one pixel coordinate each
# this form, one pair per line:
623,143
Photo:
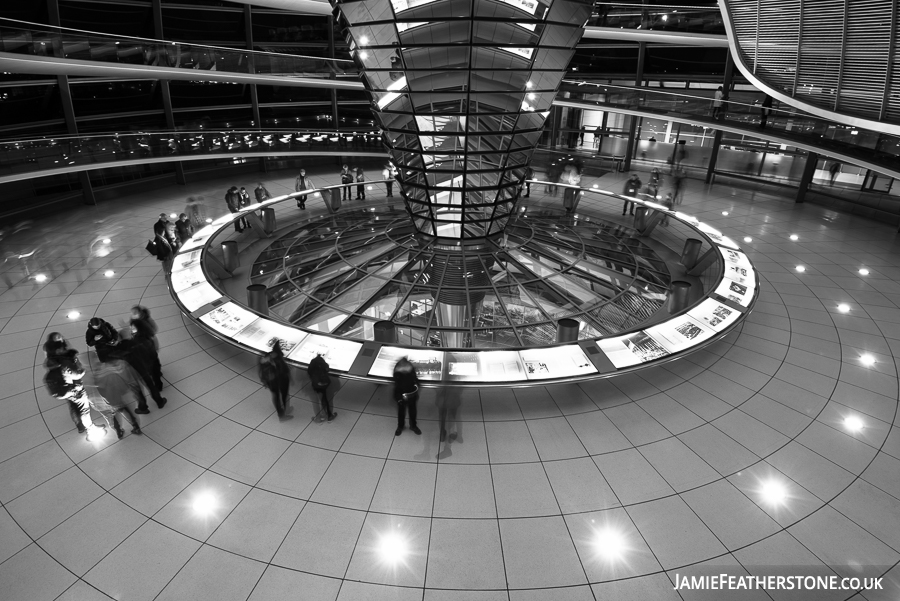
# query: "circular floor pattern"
736,458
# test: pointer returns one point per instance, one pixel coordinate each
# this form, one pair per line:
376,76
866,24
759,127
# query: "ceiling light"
725,213
853,423
843,308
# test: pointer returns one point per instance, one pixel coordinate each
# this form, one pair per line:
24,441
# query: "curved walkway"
597,491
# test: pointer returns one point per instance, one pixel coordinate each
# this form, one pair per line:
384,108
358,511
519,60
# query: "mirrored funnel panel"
461,90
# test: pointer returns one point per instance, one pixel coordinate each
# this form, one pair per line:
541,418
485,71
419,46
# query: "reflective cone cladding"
461,90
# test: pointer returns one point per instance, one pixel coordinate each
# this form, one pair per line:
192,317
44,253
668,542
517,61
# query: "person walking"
406,393
571,176
233,201
764,111
346,178
718,99
261,193
678,183
140,354
196,213
448,402
669,203
183,229
360,187
529,175
116,383
389,180
139,313
632,187
275,375
102,337
318,376
834,170
302,183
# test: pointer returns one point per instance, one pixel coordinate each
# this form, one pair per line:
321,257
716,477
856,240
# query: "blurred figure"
276,376
834,170
261,193
669,203
140,354
406,393
102,336
196,213
117,382
139,313
389,184
448,402
360,188
717,102
632,187
318,376
678,178
655,182
572,176
172,237
302,183
764,111
529,175
244,197
183,229
62,381
233,202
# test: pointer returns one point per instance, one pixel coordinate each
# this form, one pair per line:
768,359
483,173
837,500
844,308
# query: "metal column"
809,170
632,126
164,88
714,155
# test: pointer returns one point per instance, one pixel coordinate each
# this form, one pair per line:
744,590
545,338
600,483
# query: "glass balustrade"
685,19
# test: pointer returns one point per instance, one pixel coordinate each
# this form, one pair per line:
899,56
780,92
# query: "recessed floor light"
109,273
748,239
209,220
867,360
853,423
609,544
863,271
73,315
795,237
173,215
204,503
843,308
40,277
106,241
725,213
801,268
773,492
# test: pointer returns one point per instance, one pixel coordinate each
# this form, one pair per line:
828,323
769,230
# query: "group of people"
127,366
275,374
635,188
168,237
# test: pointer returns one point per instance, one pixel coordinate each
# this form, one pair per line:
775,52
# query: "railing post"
812,159
567,330
713,155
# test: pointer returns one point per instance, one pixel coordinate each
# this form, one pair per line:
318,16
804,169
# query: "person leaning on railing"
632,187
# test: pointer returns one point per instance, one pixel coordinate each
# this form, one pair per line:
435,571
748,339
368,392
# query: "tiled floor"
602,490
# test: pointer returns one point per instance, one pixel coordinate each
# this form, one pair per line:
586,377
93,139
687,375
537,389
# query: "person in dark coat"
102,336
406,393
165,252
117,381
360,176
346,178
764,111
141,354
632,187
261,193
140,313
275,375
183,229
233,201
529,174
62,366
302,183
318,376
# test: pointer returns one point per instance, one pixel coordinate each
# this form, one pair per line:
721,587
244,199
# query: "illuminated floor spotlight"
748,239
610,544
795,237
204,503
40,278
106,241
853,423
209,220
392,548
843,308
173,215
867,360
773,492
725,213
863,271
73,315
801,268
109,273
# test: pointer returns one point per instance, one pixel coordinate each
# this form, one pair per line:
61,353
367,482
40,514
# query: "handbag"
151,248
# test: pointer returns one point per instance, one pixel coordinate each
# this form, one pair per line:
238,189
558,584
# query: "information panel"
185,278
556,362
199,238
229,319
738,289
262,333
186,259
625,351
196,296
429,364
680,333
714,314
484,366
339,353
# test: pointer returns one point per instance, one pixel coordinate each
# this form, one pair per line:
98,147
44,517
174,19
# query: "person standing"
655,182
60,360
243,203
142,356
139,313
717,102
571,176
261,193
529,175
346,178
183,229
233,200
764,110
360,187
302,183
276,376
389,181
406,393
678,186
834,170
164,250
162,220
448,402
318,376
102,336
632,187
172,237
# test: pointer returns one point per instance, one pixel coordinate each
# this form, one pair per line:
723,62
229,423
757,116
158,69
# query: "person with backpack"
406,393
275,375
318,376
